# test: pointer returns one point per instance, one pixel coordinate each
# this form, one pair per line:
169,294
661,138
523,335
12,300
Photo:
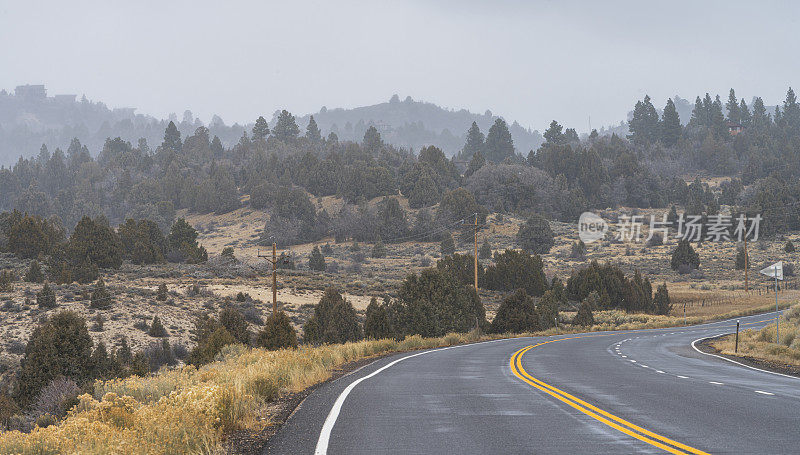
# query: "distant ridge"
414,124
29,117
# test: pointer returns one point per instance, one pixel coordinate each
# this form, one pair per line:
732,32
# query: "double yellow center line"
596,413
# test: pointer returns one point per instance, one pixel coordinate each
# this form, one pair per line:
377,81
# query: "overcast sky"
530,61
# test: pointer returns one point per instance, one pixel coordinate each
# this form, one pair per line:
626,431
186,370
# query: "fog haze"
527,61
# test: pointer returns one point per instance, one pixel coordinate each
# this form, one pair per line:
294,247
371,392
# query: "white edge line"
733,361
330,421
764,393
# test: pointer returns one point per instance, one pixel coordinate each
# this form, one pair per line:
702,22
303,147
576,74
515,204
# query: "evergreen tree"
46,297
789,247
474,143
61,346
499,144
448,245
377,324
434,303
516,314
514,270
313,133
684,255
791,112
761,119
670,124
744,114
286,129
101,298
535,235
278,333
699,114
485,251
734,114
161,293
554,135
260,129
741,259
172,138
157,329
644,125
379,249
661,301
334,321
316,261
34,273
94,241
476,162
372,142
547,308
585,315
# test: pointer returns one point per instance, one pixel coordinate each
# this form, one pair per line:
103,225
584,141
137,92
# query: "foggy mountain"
414,124
29,117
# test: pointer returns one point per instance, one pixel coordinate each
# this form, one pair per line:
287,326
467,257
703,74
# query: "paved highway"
644,391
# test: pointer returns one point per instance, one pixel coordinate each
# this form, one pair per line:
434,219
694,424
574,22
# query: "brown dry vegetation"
761,345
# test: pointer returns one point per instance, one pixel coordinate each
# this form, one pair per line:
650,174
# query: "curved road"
645,391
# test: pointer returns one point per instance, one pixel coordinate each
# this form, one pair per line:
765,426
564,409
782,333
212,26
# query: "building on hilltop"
31,92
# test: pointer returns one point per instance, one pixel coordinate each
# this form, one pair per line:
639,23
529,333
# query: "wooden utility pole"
274,263
746,265
475,259
475,266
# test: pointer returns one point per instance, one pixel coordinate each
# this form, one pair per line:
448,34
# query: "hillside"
411,123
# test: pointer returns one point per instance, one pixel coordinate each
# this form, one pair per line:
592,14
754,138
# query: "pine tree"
278,333
684,255
157,329
547,308
379,249
734,114
61,346
448,245
172,138
286,129
789,247
761,118
699,114
34,274
101,298
372,142
313,133
334,321
316,261
644,125
744,114
260,129
585,316
499,144
474,143
553,134
741,259
516,314
377,324
485,252
661,301
476,162
670,125
791,112
46,297
161,293
535,235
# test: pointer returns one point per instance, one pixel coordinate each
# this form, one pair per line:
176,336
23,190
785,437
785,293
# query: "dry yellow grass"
761,344
189,410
